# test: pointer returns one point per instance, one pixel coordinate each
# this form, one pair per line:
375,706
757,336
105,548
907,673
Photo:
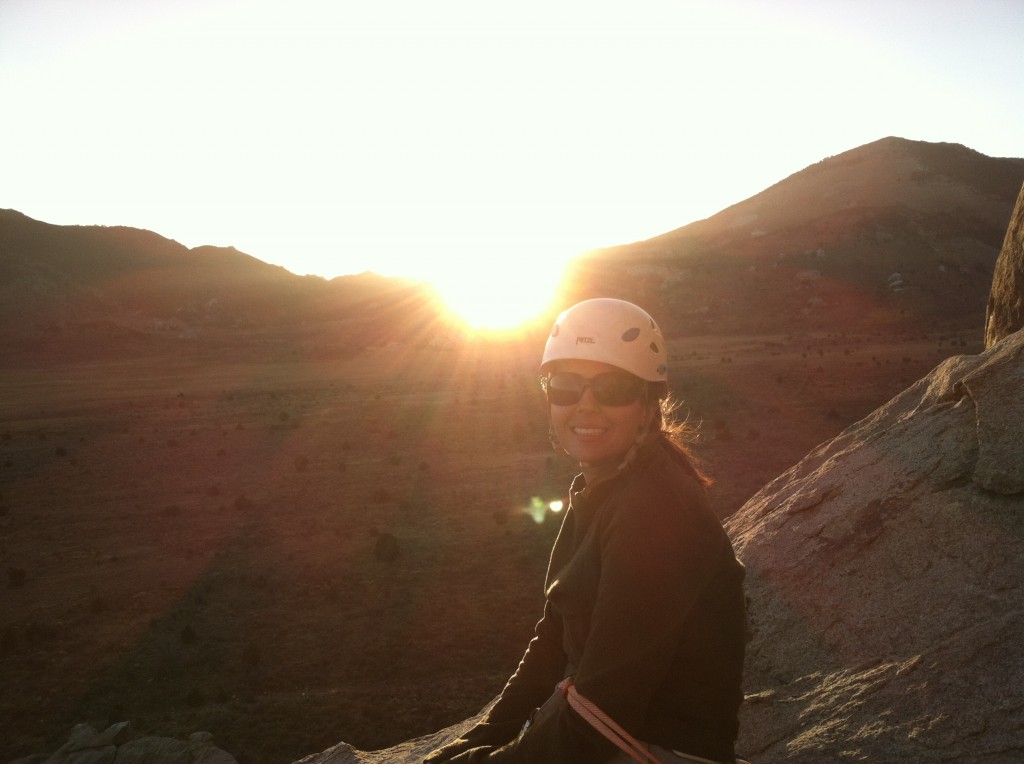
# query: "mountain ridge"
890,234
990,176
820,249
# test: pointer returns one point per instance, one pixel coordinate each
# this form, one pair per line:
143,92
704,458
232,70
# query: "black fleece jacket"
644,607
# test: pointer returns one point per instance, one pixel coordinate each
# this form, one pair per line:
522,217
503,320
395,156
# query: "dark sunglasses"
613,388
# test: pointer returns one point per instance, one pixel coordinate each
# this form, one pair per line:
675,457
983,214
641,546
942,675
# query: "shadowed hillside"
93,290
894,233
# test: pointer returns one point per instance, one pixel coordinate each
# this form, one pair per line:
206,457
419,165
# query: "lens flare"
538,509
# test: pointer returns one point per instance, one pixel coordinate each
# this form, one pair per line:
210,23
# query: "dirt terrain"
289,553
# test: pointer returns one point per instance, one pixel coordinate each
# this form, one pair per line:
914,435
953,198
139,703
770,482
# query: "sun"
500,298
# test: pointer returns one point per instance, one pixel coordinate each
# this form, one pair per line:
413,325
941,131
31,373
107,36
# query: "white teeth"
587,430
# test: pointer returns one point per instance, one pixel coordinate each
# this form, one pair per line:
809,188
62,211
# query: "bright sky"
479,144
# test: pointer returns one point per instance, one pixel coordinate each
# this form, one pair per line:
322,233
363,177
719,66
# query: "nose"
587,399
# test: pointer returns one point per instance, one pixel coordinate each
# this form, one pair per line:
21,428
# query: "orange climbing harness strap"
604,724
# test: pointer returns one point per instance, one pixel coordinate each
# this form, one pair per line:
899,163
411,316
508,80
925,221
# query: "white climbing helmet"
611,331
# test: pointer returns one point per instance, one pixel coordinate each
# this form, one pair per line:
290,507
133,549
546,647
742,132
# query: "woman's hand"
450,750
484,735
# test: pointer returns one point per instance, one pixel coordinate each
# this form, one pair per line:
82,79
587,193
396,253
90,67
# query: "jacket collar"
581,492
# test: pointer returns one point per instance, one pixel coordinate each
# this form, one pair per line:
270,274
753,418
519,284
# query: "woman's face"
590,432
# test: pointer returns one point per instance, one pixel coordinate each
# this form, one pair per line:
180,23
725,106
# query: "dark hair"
678,434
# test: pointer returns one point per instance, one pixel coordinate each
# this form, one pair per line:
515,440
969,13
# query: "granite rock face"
409,752
885,580
1005,312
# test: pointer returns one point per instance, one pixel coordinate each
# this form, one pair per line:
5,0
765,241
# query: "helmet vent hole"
630,334
654,347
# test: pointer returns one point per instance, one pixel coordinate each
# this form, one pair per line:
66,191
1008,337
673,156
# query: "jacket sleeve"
658,553
563,738
540,669
557,736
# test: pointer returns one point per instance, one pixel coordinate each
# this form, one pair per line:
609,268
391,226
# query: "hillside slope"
889,233
81,289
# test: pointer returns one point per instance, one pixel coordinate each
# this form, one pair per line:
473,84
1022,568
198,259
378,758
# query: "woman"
644,605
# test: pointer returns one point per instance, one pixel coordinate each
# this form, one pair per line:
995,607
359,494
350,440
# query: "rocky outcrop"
409,752
119,745
1005,313
885,585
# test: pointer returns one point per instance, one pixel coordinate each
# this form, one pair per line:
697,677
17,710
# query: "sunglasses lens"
565,389
616,389
611,389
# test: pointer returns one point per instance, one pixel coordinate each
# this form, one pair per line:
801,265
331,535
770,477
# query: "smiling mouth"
586,431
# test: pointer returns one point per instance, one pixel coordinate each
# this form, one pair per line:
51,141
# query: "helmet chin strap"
553,439
643,433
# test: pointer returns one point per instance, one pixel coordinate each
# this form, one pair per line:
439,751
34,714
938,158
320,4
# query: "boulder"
119,745
886,592
1005,313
